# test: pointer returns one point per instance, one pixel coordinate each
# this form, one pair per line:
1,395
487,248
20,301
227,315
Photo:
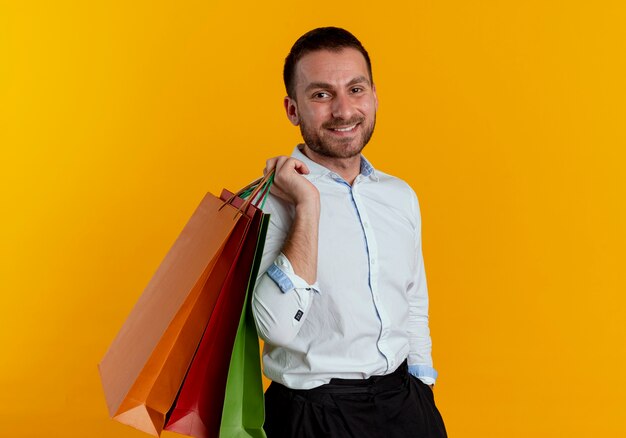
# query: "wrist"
310,207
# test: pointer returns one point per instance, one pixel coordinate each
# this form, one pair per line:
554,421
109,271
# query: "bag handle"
251,191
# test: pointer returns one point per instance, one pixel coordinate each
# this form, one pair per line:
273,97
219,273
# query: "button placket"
373,256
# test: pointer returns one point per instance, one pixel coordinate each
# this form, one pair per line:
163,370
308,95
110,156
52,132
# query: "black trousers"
395,405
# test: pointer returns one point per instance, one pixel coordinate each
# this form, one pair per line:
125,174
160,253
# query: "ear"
291,108
375,96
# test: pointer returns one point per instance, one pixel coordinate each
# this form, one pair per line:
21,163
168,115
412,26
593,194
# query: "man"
342,303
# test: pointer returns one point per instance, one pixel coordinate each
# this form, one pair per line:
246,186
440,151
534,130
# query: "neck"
347,168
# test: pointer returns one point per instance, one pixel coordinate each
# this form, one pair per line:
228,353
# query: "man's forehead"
339,66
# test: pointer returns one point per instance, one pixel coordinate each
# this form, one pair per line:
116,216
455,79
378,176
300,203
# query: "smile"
346,129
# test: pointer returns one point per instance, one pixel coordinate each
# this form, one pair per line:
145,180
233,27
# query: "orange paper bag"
144,367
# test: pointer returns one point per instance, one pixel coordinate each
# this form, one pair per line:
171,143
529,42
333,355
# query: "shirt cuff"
285,278
426,374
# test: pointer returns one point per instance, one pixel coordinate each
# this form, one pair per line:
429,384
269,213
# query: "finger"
290,163
280,163
270,164
301,168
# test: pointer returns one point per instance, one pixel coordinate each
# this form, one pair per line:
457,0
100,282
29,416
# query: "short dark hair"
334,39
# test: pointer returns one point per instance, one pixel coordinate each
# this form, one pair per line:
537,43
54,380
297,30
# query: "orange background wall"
507,118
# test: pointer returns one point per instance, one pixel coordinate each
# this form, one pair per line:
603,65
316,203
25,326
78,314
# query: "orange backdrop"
507,118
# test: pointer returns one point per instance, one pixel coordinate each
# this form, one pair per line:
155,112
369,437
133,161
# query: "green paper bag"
244,411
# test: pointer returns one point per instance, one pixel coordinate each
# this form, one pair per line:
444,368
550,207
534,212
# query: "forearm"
420,344
302,242
284,293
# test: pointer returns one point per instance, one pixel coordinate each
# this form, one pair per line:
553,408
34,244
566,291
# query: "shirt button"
392,363
373,261
365,224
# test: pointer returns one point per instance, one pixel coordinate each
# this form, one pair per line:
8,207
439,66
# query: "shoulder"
398,189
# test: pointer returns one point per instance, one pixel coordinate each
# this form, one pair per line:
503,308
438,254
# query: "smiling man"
342,303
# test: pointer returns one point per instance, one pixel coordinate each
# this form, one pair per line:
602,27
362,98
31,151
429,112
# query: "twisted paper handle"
250,192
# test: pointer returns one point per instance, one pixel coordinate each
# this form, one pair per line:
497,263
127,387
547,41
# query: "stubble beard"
336,148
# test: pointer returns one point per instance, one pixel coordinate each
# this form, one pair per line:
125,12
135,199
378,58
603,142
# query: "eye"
321,95
356,90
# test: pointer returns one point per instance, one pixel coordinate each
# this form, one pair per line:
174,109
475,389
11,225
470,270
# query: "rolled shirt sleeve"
284,276
281,303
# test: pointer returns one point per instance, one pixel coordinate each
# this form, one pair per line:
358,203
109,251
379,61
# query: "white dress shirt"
368,310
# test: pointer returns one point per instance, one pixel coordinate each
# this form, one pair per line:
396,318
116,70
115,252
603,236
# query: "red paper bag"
198,408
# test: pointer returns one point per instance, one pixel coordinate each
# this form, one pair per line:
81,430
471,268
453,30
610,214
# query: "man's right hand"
289,184
301,244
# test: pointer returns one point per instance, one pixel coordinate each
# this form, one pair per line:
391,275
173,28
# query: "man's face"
335,103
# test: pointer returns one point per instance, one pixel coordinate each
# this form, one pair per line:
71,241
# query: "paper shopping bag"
244,410
144,368
198,408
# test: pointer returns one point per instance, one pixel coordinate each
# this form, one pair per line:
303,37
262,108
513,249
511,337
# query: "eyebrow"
357,80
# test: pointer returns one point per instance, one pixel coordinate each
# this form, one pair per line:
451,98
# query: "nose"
342,107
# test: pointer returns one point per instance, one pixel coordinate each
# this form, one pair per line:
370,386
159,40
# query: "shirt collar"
317,170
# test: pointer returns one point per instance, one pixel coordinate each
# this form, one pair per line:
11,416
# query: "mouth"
344,129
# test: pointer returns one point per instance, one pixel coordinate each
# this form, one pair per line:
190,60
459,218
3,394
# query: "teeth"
349,128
